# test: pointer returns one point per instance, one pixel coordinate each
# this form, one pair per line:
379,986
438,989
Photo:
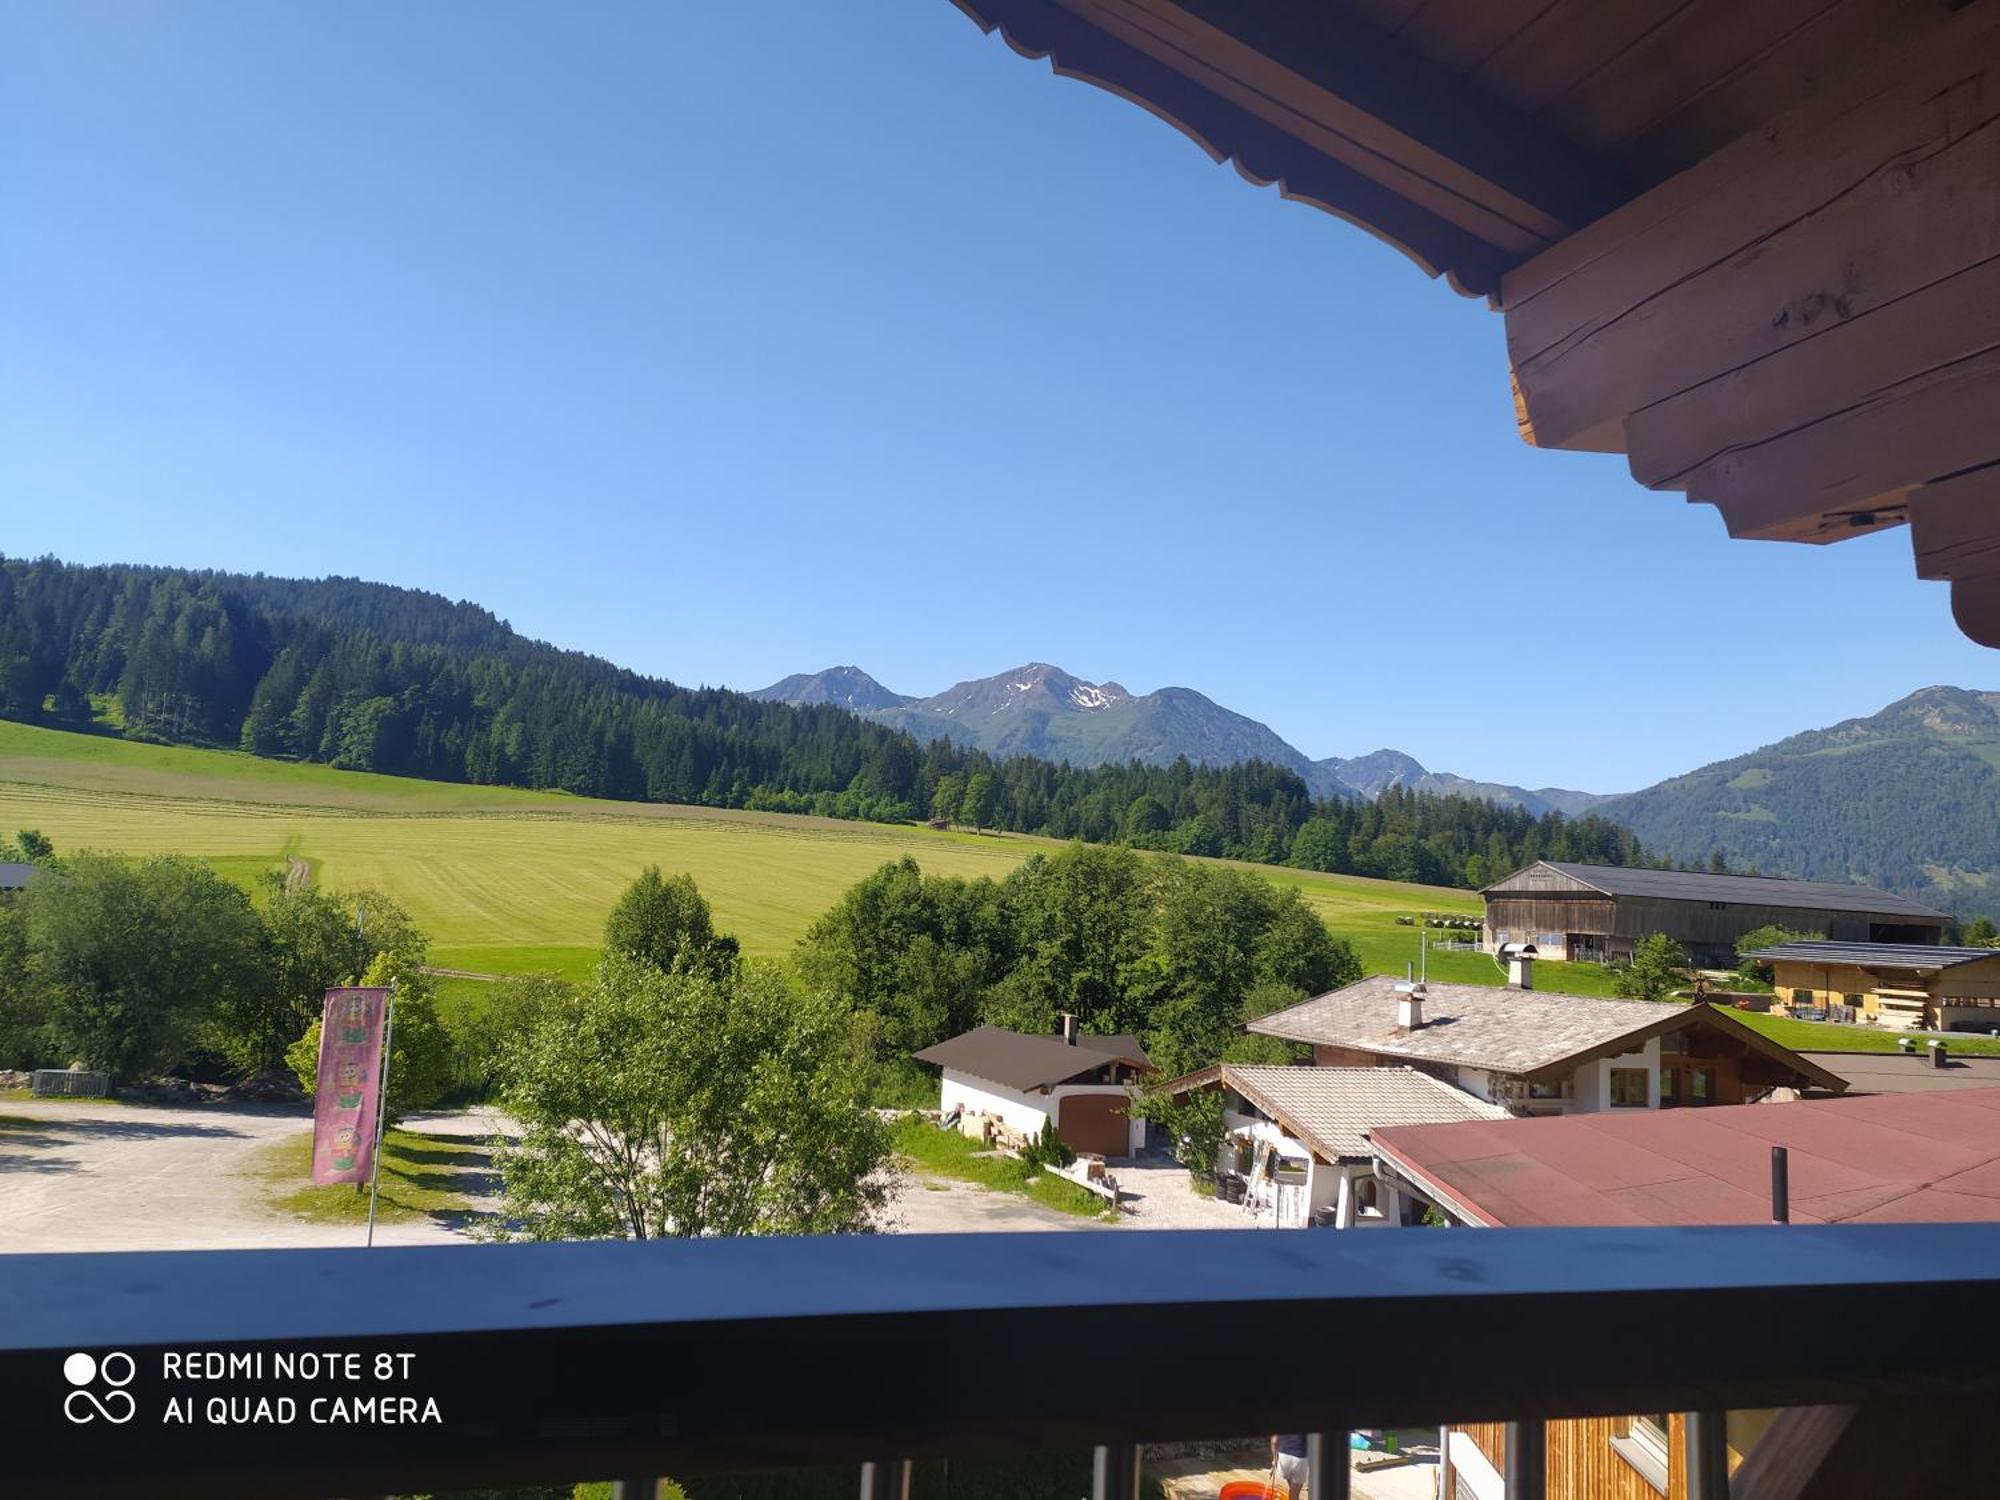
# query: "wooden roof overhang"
1755,247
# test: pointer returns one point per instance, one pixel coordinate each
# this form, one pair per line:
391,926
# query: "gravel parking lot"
92,1175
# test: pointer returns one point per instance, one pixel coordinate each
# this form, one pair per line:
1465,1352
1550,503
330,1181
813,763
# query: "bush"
1047,1149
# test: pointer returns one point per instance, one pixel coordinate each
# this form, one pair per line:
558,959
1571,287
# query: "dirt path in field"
90,1175
298,874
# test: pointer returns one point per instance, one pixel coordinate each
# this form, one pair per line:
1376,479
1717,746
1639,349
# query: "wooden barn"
1600,912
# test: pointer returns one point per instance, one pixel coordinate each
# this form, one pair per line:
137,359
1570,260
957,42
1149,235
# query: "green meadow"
510,881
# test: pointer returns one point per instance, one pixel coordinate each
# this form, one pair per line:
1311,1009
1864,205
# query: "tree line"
368,677
160,966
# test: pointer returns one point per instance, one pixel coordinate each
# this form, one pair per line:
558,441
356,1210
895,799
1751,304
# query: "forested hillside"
370,677
1908,798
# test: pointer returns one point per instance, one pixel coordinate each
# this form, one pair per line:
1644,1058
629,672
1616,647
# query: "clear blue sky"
728,341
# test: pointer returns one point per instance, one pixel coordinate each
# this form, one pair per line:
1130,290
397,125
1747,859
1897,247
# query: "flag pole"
381,1110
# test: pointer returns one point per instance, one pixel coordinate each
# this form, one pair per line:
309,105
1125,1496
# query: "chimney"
1410,1006
1520,959
1069,1028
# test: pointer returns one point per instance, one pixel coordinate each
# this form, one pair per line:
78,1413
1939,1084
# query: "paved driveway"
96,1176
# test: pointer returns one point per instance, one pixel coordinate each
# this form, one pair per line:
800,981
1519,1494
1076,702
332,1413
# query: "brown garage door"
1086,1122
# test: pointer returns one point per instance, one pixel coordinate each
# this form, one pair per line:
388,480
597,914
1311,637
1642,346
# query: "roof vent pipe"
1519,959
1410,1009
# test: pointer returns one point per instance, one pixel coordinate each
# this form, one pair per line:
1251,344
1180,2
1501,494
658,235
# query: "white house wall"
1477,1082
1025,1112
1591,1083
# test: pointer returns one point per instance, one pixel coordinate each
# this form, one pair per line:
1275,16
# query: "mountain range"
1907,798
1042,710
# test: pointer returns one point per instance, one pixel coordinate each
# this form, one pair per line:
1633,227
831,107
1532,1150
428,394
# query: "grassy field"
1833,1036
423,1176
509,881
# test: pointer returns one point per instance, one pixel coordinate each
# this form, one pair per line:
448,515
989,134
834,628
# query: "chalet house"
1013,1082
1536,1053
1298,1137
1887,1159
1899,985
1601,912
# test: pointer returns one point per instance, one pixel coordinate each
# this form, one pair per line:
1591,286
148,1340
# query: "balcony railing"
562,1361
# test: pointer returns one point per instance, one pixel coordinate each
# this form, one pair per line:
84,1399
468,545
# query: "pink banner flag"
350,1071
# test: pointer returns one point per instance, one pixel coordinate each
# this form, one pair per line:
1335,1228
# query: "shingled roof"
1510,1031
1742,890
1875,955
1332,1109
1506,1031
1031,1060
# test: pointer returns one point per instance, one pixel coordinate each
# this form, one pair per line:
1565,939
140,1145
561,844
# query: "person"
1288,1459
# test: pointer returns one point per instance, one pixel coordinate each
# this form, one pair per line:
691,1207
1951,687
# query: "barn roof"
1884,1158
1332,1109
1030,1060
1744,890
1507,1031
1875,955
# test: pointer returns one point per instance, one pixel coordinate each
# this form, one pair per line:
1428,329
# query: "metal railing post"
886,1480
1114,1472
1327,1462
1707,1455
1526,1469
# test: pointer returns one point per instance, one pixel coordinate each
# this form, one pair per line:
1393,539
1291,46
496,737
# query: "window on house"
1670,1086
1643,1445
1853,1000
1628,1088
1802,997
1702,1081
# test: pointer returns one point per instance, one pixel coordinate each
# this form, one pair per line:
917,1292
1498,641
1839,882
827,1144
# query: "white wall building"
1538,1053
1298,1136
1022,1080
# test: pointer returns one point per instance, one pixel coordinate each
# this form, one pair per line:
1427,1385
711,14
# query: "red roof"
1880,1158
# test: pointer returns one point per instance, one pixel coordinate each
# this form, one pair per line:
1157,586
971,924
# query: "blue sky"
729,341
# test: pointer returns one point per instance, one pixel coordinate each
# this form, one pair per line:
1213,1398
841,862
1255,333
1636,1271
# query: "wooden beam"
1858,199
1408,93
1839,369
1955,526
1325,121
1785,74
1842,473
1336,114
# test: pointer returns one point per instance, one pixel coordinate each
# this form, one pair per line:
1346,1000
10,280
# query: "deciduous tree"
667,923
1659,967
682,1103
